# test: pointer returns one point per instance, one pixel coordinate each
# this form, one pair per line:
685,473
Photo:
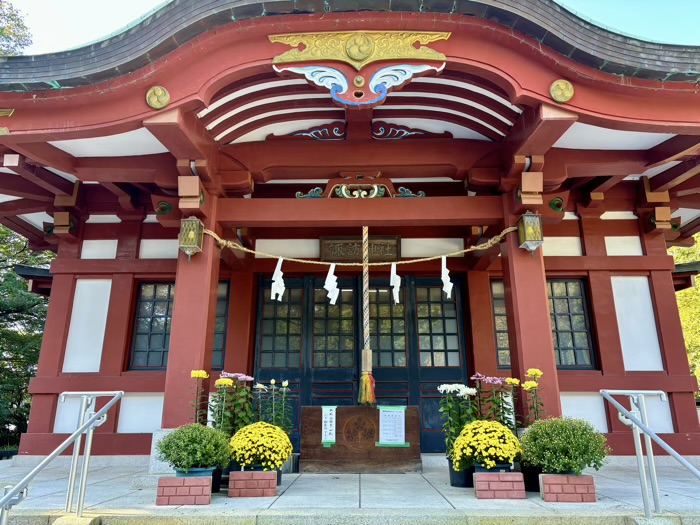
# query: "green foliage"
14,33
274,405
457,410
194,446
689,307
231,408
22,316
563,445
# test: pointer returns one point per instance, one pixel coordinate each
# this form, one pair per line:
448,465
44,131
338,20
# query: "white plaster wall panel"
137,142
570,216
561,246
99,249
8,198
140,413
624,245
637,323
103,219
585,405
87,325
659,415
66,421
587,136
310,248
429,247
158,249
37,219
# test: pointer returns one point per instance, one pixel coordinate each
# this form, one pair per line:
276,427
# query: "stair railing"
88,419
638,420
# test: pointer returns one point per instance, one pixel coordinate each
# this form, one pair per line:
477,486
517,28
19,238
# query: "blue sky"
63,24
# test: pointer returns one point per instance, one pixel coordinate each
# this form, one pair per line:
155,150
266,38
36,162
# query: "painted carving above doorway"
366,65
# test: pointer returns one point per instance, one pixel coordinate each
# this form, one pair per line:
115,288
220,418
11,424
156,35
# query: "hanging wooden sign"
349,249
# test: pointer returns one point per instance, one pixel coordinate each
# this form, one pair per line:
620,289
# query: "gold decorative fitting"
157,97
7,112
561,91
359,81
359,48
191,237
4,131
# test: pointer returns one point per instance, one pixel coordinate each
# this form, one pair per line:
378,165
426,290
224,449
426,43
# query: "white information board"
392,426
328,425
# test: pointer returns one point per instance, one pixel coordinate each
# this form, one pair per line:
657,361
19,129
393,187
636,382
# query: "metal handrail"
16,494
638,420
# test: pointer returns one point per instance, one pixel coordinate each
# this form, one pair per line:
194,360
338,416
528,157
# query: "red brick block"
591,489
569,498
268,475
162,501
501,485
549,497
480,485
483,476
240,474
270,492
552,478
555,489
183,491
580,480
182,500
196,491
234,493
510,476
588,498
510,494
202,500
485,494
171,482
581,489
568,489
198,482
251,493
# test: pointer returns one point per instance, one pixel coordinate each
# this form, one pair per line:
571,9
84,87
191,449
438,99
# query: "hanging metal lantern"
191,236
530,231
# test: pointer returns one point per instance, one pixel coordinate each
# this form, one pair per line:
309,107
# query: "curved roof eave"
179,21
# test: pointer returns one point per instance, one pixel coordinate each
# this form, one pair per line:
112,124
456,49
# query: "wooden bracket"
193,197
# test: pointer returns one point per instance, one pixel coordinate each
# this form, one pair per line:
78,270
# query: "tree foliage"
689,307
14,33
22,316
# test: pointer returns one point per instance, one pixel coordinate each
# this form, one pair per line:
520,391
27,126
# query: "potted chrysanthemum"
261,447
457,410
488,445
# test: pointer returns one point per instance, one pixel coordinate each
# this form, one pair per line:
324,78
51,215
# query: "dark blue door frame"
412,384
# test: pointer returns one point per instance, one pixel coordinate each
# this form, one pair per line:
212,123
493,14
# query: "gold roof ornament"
157,97
359,48
561,91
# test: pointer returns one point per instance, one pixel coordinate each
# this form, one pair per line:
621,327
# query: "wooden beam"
47,155
537,129
293,213
186,137
689,187
676,175
672,149
124,197
40,176
285,158
20,187
22,206
157,169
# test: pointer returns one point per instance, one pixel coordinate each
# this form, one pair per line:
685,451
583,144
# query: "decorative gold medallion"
359,48
359,81
157,97
561,91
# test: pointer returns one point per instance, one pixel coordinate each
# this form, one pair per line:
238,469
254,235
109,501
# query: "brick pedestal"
252,484
567,489
184,491
499,485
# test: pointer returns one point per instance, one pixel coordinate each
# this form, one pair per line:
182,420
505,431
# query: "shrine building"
287,126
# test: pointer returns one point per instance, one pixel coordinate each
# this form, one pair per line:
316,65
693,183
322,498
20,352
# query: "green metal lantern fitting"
201,196
163,208
675,226
518,193
557,204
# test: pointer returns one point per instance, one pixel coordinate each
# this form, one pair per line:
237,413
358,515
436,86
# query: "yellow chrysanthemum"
485,443
534,373
529,385
223,382
199,374
261,443
512,381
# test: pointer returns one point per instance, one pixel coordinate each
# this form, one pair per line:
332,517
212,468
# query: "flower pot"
531,477
216,480
460,479
194,472
500,467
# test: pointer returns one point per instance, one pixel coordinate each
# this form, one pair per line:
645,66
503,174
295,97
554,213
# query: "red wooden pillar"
529,324
192,332
482,325
240,338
